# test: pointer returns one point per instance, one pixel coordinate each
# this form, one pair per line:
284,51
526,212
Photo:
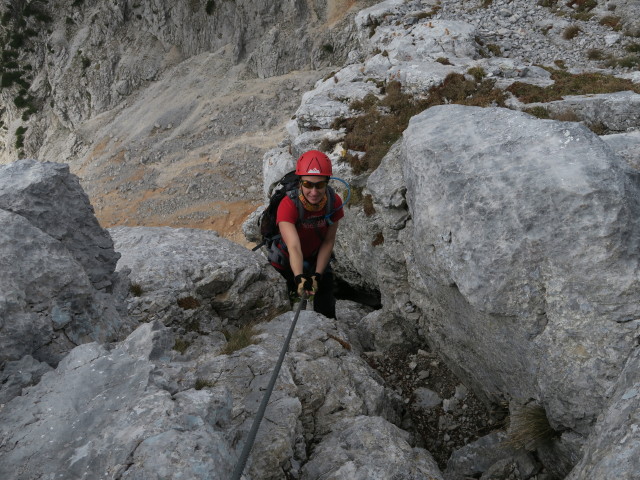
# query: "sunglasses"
317,185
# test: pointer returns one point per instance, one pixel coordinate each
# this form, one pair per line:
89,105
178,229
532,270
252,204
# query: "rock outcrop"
58,286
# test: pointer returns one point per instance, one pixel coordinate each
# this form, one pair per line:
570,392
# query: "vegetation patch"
529,427
378,240
202,383
367,205
383,118
239,339
570,84
571,32
612,22
181,345
188,303
136,290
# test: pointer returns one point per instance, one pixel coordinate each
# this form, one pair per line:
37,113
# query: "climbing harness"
242,460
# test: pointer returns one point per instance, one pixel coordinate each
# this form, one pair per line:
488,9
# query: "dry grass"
528,428
612,22
571,32
188,303
569,84
382,120
239,339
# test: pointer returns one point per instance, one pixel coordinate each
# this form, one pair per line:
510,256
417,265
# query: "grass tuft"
241,338
181,345
188,303
202,383
136,290
529,427
571,32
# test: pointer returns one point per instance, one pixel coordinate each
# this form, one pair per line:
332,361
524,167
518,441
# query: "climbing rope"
242,460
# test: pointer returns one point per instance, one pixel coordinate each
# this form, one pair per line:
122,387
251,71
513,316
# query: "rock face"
533,245
138,411
58,285
193,277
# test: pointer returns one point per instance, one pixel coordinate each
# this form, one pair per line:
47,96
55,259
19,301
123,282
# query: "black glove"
304,283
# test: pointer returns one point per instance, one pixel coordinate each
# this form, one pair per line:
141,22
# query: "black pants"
324,301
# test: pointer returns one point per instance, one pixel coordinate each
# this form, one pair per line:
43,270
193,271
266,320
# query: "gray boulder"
49,197
613,450
617,112
627,145
522,249
189,276
369,448
58,267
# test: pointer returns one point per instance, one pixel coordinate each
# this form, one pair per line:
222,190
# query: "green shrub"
633,48
443,60
210,7
382,121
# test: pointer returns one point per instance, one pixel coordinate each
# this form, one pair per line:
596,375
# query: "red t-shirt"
311,234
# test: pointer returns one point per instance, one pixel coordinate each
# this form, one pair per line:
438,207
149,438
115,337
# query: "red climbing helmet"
314,162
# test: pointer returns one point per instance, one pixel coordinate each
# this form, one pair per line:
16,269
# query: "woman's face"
313,195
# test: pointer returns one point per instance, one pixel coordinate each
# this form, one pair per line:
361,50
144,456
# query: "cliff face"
162,107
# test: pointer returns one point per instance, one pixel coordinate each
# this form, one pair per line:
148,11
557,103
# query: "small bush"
633,48
239,339
136,290
443,60
210,7
528,428
571,32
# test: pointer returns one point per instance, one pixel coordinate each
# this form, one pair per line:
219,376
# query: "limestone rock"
367,448
189,275
57,266
52,200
